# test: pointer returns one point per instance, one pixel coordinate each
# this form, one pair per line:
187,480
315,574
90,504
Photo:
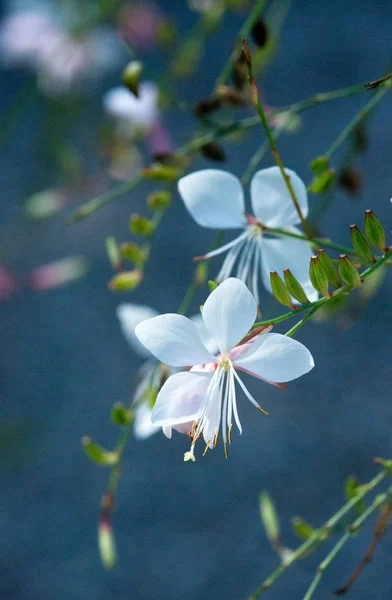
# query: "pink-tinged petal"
174,340
129,316
229,312
276,357
180,398
271,201
287,253
214,198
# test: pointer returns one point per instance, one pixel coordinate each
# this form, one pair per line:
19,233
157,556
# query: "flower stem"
319,242
319,303
275,153
323,533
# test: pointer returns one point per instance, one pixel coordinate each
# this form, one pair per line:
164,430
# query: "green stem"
319,242
318,303
362,114
258,157
294,329
322,533
244,32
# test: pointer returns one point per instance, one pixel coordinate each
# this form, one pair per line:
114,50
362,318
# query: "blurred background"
183,530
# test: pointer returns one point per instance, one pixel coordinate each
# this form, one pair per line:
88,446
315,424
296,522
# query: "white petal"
287,253
204,334
142,426
229,312
120,103
174,340
271,201
180,398
276,357
214,198
131,315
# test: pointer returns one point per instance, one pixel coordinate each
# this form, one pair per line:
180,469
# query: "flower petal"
214,198
180,398
120,103
271,201
142,426
204,334
174,340
229,312
287,253
276,357
131,315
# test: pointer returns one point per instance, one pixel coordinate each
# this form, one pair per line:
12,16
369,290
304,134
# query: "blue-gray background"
189,530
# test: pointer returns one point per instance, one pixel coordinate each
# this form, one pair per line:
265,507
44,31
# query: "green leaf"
99,455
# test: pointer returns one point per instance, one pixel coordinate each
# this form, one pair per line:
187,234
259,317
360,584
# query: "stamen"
225,247
225,450
247,394
189,455
229,433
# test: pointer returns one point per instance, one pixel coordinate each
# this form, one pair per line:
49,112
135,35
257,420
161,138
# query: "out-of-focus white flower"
215,199
207,6
152,374
206,394
61,60
140,113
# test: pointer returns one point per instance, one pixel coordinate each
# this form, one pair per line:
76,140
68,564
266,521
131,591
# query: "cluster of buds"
285,290
137,254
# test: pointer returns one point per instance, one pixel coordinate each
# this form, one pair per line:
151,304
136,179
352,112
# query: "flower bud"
44,204
350,180
162,172
213,151
229,95
319,165
294,287
318,276
98,454
280,290
201,274
374,230
121,415
301,528
131,76
260,32
361,245
106,543
329,269
125,281
269,517
113,252
348,272
140,225
323,182
207,106
212,285
134,253
159,200
240,72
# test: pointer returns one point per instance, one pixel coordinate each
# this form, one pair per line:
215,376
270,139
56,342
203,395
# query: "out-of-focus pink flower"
159,140
7,284
139,24
58,273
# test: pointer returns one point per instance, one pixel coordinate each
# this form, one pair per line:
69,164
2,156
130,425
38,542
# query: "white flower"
140,113
215,199
152,373
206,394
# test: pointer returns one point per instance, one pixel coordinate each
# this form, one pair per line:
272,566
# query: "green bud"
201,272
133,252
280,290
269,517
159,200
294,287
301,528
319,165
323,182
131,76
125,281
113,252
374,230
361,245
106,544
121,416
348,272
212,285
161,172
318,276
98,454
44,204
329,269
140,225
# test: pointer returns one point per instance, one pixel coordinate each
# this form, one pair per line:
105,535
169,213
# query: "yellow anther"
216,438
229,433
262,410
225,450
206,448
